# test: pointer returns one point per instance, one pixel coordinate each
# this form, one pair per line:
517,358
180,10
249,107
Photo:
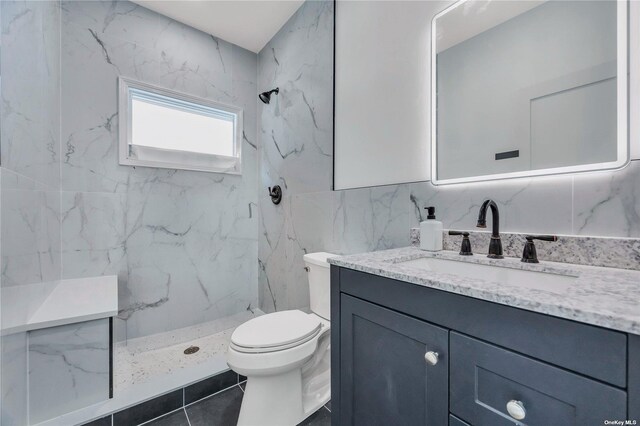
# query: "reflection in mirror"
527,88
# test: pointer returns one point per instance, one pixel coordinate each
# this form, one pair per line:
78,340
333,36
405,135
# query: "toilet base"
286,399
272,400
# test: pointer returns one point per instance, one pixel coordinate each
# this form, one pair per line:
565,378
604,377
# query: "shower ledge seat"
54,303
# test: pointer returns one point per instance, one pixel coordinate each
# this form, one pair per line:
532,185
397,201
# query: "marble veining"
605,297
295,144
311,217
183,244
623,253
68,368
30,174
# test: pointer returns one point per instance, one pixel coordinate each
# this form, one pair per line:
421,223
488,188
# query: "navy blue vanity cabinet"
495,365
394,367
454,421
486,379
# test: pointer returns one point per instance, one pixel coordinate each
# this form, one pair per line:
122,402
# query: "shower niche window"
166,129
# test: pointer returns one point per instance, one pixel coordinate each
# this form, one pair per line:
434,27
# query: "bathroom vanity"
434,339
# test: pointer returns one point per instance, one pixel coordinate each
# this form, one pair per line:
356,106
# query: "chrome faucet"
495,245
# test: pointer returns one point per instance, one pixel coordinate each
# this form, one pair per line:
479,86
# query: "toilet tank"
319,282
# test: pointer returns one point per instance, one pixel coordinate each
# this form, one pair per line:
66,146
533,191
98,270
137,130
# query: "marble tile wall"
68,368
30,134
182,243
296,153
30,173
295,139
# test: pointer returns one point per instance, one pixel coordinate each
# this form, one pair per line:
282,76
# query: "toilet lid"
276,330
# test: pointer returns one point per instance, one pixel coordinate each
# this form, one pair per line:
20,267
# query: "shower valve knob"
276,194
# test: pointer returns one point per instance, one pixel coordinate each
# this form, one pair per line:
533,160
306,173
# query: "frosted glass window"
166,129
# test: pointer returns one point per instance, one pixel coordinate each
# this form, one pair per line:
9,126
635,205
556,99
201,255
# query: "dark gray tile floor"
222,409
322,417
177,418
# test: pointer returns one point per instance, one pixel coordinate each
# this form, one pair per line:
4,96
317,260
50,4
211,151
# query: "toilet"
286,357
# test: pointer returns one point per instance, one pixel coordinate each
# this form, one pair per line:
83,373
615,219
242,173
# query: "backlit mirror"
526,88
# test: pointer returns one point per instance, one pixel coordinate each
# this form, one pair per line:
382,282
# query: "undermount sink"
531,279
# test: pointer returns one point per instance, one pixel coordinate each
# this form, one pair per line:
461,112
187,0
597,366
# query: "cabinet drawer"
484,378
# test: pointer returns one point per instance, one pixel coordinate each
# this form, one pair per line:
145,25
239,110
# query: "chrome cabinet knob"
431,357
516,409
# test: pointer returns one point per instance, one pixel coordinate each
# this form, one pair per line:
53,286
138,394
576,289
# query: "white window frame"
169,158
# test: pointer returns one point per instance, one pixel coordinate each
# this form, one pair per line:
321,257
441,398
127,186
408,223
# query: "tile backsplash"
621,253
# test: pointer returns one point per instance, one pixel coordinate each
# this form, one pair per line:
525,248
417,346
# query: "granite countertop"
606,297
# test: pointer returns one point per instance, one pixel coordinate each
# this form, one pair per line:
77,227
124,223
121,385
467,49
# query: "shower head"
266,96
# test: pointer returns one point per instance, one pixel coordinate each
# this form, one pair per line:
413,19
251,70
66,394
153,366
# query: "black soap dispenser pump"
431,231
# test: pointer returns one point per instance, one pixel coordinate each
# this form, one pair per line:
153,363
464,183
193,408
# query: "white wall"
382,92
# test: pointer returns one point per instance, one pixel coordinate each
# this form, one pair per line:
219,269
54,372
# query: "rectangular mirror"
527,88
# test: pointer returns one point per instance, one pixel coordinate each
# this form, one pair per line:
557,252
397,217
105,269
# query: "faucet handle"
465,247
529,254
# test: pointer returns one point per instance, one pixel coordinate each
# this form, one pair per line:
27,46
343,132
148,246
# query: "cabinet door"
386,378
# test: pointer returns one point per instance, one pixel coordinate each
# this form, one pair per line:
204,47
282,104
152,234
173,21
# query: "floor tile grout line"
159,417
186,415
211,395
184,404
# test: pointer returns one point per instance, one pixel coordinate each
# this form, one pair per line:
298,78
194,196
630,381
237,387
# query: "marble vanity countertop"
54,303
606,297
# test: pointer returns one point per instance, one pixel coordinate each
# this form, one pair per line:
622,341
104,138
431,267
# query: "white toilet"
286,357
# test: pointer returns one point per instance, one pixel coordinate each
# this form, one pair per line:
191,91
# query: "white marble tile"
92,220
117,19
296,128
30,233
372,218
608,203
68,368
14,379
272,253
541,205
30,173
173,285
181,59
182,243
309,229
30,108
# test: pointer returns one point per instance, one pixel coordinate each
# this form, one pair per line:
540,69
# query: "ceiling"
466,20
246,23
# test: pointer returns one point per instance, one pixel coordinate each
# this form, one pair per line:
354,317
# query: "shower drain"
191,350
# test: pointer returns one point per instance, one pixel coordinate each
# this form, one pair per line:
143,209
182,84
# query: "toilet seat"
275,332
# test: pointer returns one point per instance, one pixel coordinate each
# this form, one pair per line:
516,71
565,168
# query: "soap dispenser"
431,232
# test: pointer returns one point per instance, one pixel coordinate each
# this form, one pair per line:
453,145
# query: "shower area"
180,247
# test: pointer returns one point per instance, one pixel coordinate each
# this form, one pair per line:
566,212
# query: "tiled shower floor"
149,359
137,361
